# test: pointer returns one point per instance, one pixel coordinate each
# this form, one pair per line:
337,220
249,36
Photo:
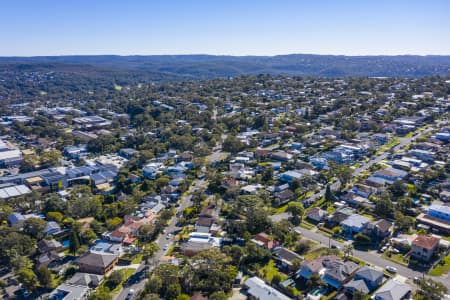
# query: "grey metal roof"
392,290
260,290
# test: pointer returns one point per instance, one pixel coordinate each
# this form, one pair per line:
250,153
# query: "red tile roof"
426,242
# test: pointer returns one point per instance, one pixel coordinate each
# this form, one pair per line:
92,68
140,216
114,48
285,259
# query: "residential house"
86,279
439,211
354,200
199,241
128,152
424,247
290,176
393,290
354,224
310,267
281,156
284,196
16,220
363,190
258,289
381,228
366,280
264,240
390,175
338,217
316,214
69,292
425,155
52,228
96,262
49,245
338,273
285,257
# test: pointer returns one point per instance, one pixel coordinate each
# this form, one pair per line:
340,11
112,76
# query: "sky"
224,27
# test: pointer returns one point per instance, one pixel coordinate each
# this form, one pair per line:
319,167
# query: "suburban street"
162,241
370,257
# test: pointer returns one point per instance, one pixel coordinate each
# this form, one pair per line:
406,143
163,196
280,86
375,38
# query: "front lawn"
127,272
317,253
269,270
441,269
397,258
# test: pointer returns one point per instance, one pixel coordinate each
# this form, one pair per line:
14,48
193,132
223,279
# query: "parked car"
130,295
395,251
382,250
391,269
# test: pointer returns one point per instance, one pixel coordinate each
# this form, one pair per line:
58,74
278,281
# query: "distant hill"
179,67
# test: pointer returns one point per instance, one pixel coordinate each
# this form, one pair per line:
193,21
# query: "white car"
391,269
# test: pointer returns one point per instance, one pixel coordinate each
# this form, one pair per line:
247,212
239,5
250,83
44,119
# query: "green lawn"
281,209
316,253
137,259
306,225
441,269
397,258
269,270
126,274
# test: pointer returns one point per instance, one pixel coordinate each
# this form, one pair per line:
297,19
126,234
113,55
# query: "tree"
101,293
28,279
383,206
5,211
172,291
154,284
358,295
55,216
210,271
348,250
430,289
88,236
232,144
149,251
403,222
114,279
34,227
74,240
45,276
343,173
329,196
218,296
398,188
297,210
276,279
184,297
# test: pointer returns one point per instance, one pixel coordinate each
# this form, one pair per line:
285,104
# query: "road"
371,257
162,241
365,166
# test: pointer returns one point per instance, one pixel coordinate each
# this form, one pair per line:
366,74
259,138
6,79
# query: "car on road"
130,295
391,269
335,247
165,247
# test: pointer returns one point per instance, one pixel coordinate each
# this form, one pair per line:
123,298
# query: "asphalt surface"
163,242
371,257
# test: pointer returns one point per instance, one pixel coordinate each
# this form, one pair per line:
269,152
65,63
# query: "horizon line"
222,55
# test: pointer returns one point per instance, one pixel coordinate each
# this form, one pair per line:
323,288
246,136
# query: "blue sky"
231,27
